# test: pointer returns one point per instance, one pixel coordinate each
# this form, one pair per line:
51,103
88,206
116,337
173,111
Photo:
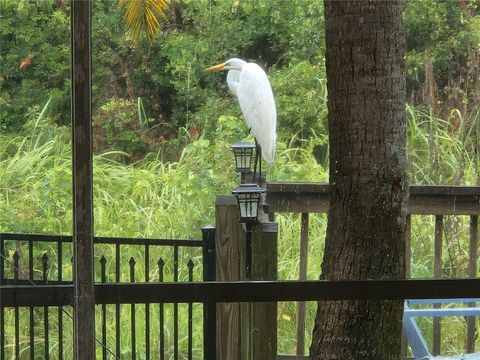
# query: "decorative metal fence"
157,331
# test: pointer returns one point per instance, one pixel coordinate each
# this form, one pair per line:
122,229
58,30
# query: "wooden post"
244,331
230,264
84,326
436,348
472,273
408,271
263,321
301,306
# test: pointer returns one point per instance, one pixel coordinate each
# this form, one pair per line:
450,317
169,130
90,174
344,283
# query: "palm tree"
366,219
143,15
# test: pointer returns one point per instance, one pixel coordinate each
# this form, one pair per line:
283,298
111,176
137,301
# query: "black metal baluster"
16,258
209,308
103,261
2,310
73,279
2,261
132,308
31,310
30,260
60,308
44,268
190,313
175,305
45,308
2,333
117,306
147,305
59,260
32,334
161,264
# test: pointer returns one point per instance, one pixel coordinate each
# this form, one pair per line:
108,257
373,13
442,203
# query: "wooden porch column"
263,317
245,331
84,328
230,253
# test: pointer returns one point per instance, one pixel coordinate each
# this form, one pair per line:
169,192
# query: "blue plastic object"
414,336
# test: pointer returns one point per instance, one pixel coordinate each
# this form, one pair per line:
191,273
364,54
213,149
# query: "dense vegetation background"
163,128
179,100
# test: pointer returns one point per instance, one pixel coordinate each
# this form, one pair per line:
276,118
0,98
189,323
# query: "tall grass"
153,198
441,152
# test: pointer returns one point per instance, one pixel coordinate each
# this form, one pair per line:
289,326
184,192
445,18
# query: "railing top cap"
306,187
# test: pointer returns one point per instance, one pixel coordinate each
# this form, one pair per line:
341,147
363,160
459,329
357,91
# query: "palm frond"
143,15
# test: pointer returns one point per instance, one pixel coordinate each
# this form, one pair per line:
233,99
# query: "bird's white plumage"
258,107
233,78
250,84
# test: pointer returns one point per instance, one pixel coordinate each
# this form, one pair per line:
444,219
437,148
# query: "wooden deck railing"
438,201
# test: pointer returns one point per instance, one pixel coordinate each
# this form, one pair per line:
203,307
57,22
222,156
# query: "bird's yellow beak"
216,67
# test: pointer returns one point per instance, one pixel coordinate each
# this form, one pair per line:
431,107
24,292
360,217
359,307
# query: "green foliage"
267,32
286,37
445,32
451,152
38,31
301,99
118,126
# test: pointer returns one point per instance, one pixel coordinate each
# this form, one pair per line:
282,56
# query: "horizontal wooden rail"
245,291
424,199
259,291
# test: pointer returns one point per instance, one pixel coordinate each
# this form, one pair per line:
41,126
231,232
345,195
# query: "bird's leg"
259,166
257,149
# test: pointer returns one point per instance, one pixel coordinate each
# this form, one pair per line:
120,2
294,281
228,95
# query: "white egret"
249,83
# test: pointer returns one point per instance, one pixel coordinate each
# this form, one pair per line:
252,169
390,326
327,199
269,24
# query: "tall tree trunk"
366,220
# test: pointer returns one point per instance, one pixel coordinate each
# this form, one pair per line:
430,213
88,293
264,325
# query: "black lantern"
243,152
248,197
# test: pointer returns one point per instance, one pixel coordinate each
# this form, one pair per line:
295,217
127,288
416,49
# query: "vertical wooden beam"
408,247
244,331
472,273
263,321
301,306
84,327
437,270
230,266
408,271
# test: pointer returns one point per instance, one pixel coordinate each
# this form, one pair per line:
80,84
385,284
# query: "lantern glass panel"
248,204
248,197
243,159
243,152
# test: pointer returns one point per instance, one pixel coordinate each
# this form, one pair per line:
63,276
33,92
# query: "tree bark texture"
369,190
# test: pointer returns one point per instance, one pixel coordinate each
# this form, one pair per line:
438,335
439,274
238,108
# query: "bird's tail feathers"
269,154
